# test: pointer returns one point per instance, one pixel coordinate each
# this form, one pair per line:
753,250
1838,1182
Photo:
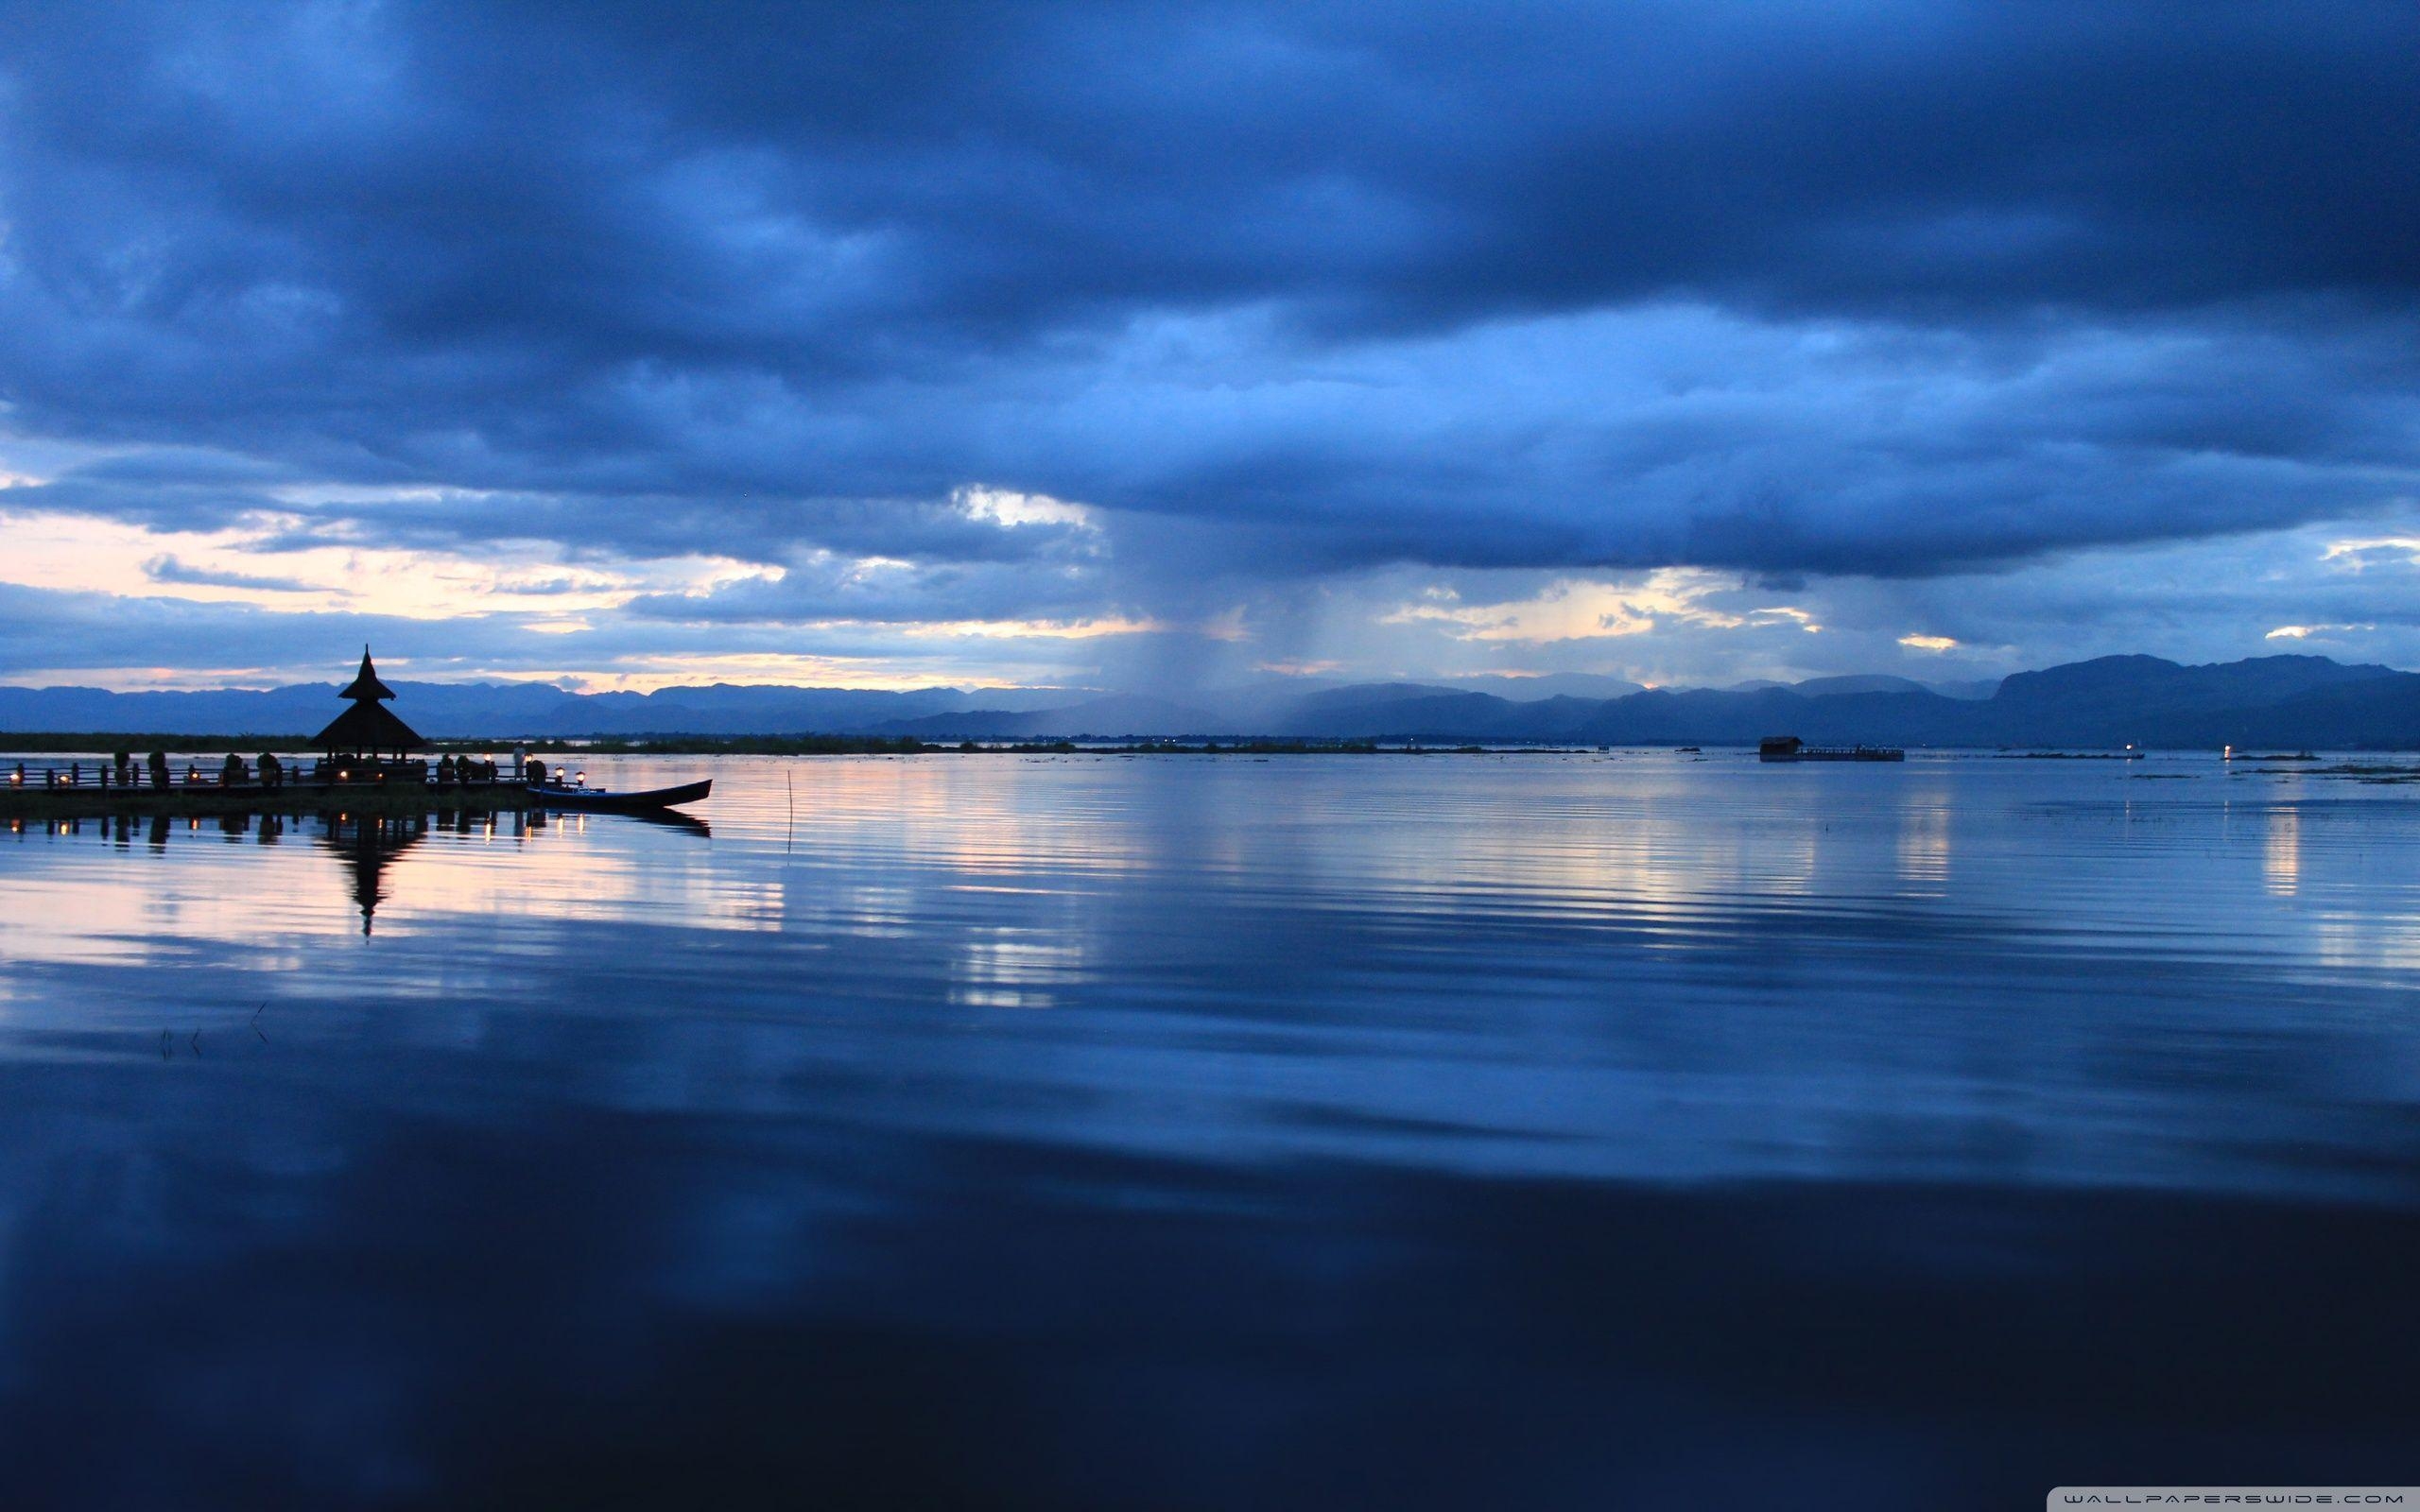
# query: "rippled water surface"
1603,1131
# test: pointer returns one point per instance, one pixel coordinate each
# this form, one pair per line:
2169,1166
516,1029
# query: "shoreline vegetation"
87,743
911,745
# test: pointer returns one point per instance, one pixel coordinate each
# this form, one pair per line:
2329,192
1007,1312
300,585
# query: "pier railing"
201,777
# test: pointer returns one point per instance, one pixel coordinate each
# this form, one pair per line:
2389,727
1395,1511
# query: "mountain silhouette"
2108,701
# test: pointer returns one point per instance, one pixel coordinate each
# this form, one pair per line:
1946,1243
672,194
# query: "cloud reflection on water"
1190,1104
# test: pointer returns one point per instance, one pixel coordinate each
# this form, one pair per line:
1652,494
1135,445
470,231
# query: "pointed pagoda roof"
365,683
366,727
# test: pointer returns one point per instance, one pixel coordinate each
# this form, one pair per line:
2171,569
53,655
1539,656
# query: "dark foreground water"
1621,1132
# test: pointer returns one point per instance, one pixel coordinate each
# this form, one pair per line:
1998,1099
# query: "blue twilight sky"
1149,346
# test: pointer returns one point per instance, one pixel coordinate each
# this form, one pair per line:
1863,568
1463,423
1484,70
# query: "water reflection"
1924,843
2281,855
369,843
1190,1132
446,858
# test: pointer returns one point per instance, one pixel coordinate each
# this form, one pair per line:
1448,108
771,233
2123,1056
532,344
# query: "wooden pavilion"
367,730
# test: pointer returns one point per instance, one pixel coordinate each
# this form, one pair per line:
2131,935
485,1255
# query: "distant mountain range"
2281,701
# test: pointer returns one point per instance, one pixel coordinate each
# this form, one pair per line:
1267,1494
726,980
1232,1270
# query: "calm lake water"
1616,1131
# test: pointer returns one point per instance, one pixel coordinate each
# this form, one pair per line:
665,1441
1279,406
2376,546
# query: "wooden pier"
90,800
369,767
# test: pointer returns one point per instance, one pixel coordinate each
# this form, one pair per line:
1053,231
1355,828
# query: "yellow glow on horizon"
84,554
1300,669
774,669
155,680
1929,643
635,674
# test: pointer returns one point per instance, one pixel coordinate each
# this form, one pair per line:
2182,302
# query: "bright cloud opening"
1009,509
2357,553
1573,609
2304,633
1020,629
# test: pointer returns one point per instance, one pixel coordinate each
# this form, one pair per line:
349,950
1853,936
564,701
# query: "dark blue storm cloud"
1897,290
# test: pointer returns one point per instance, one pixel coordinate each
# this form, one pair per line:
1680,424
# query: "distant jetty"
1791,748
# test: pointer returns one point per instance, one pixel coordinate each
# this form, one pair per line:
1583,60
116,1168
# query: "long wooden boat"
548,795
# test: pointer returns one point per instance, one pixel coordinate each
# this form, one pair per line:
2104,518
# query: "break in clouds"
1040,343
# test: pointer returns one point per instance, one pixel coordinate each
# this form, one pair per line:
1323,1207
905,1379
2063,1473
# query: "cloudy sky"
1121,345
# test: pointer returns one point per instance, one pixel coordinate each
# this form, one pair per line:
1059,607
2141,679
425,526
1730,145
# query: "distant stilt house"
368,731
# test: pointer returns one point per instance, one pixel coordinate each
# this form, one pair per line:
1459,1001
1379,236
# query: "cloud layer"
1256,307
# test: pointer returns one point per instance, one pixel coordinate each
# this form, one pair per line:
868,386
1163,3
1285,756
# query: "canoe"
549,796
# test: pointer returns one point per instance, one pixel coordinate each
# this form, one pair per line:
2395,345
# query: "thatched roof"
368,726
365,683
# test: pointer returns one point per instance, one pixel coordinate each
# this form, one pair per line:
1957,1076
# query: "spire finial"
366,687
